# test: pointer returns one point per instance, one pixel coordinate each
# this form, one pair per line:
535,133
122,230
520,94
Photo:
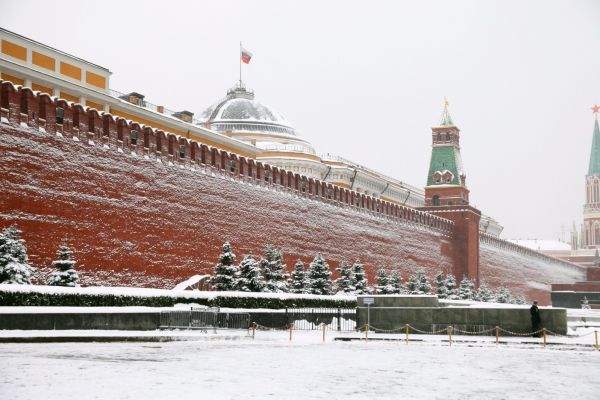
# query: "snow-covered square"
236,367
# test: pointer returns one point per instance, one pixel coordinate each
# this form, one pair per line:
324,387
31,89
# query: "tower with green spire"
446,195
590,235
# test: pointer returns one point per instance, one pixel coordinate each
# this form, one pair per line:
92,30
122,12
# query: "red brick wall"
142,222
135,220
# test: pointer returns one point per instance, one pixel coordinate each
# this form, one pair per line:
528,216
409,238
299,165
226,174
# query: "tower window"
435,200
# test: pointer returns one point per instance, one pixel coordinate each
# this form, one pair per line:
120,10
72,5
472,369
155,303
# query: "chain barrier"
450,330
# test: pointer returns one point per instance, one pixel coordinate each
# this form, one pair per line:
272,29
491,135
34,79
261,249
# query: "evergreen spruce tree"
484,293
225,273
520,300
298,282
359,278
14,264
274,271
250,278
424,285
503,295
451,290
466,290
343,284
440,285
383,282
418,284
396,282
65,274
319,276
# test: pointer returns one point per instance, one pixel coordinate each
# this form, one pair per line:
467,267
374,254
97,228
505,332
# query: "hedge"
9,298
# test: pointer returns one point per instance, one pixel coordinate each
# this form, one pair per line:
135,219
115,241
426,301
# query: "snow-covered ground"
306,368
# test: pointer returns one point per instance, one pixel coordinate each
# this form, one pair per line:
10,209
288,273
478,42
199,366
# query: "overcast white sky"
366,80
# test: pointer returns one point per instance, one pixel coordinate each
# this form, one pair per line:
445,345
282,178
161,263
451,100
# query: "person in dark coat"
536,321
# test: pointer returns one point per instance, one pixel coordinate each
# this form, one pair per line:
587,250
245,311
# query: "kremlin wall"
144,207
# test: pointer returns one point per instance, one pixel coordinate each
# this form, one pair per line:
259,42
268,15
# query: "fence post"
291,327
449,335
366,332
339,326
324,329
596,337
497,335
406,331
253,330
544,331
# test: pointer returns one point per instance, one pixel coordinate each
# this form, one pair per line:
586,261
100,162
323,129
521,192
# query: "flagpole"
240,59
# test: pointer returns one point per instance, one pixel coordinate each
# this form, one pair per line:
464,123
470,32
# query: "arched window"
435,200
597,234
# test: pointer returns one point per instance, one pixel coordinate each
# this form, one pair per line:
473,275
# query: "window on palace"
267,175
435,200
182,151
232,165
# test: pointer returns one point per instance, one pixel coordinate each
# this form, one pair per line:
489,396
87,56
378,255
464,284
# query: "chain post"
406,331
450,335
291,327
596,339
253,330
497,335
324,329
544,332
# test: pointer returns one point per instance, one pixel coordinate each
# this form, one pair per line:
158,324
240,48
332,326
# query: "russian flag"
246,56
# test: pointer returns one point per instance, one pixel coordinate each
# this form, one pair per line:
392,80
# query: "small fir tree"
396,282
503,295
418,284
298,282
319,276
343,284
65,274
484,293
451,290
520,300
249,277
383,282
225,273
359,278
440,285
466,290
274,270
14,263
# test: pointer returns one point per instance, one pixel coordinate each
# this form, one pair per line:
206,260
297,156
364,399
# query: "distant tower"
591,209
446,195
574,238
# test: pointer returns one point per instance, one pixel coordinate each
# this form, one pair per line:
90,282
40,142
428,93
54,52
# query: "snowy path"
304,369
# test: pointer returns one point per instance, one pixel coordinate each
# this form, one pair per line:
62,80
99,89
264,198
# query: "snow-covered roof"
542,244
239,106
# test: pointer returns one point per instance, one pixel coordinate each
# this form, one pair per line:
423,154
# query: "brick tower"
590,235
446,195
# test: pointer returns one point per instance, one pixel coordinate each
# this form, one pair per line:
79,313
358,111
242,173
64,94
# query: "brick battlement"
516,248
22,106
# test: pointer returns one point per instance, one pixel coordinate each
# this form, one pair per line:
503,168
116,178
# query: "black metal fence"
203,319
338,319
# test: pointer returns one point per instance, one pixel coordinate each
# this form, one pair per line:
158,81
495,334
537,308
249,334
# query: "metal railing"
203,319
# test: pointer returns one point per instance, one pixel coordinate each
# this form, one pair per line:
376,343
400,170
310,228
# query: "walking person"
536,321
